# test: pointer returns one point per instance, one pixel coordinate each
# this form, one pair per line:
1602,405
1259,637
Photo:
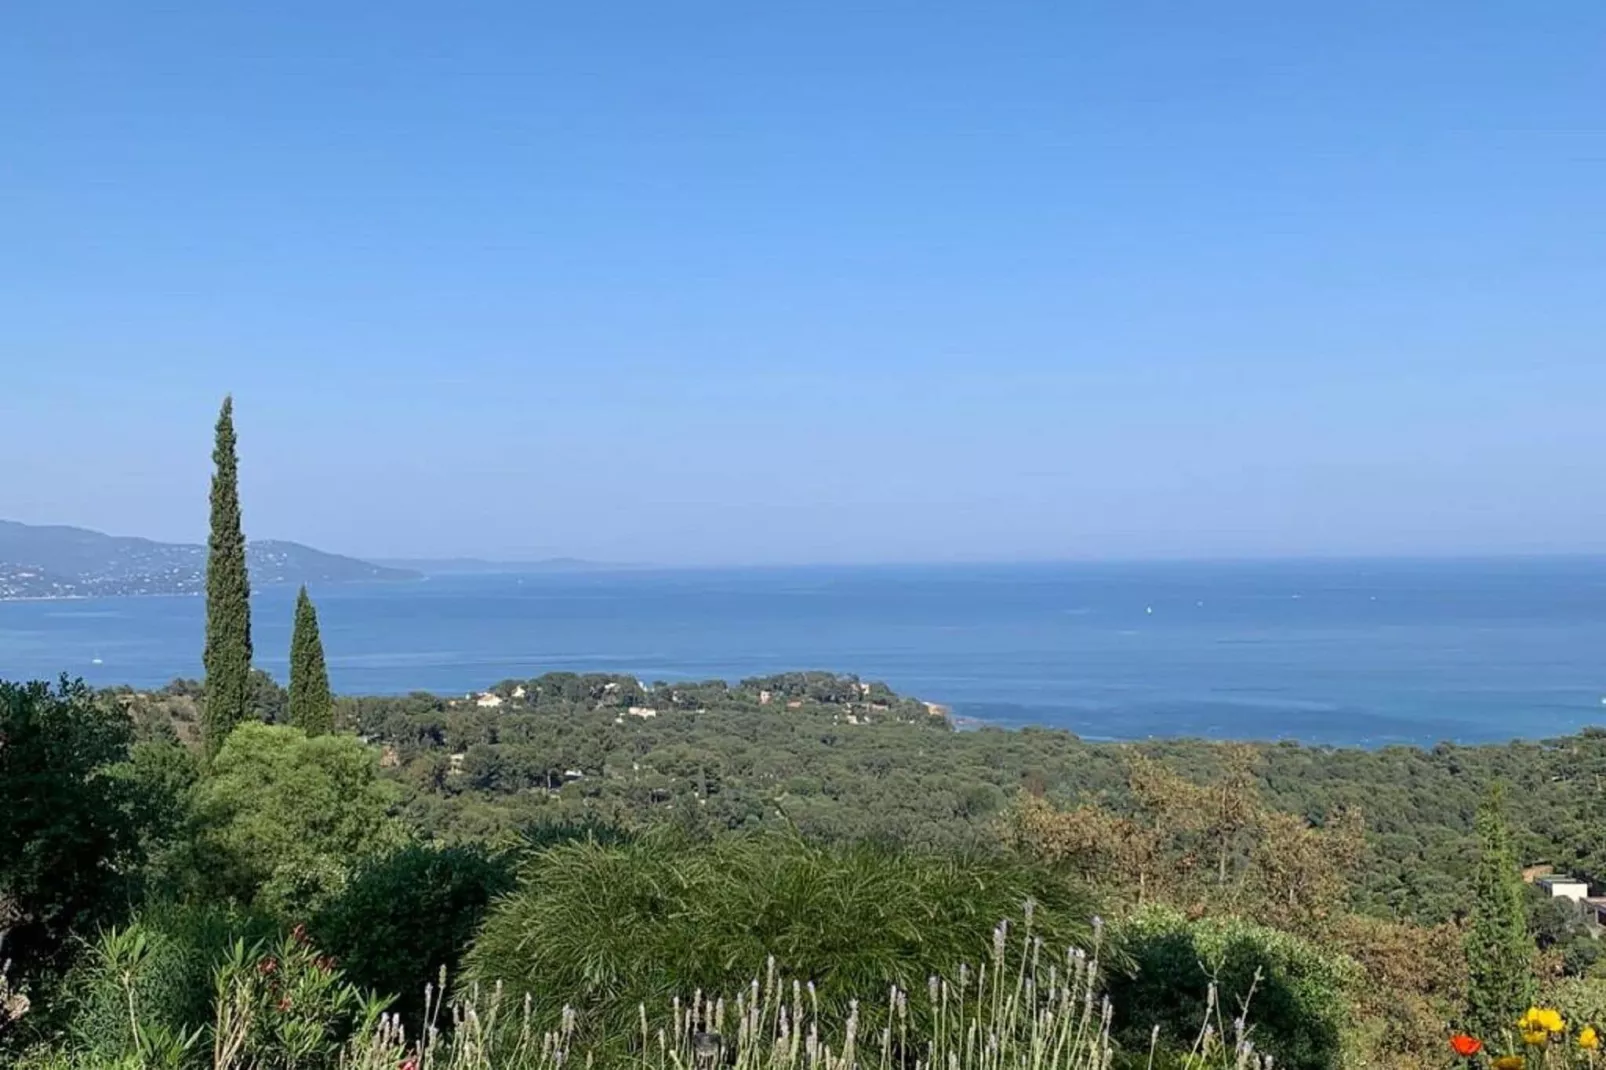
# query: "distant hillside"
61,562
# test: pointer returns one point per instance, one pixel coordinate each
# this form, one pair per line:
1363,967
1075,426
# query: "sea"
1365,653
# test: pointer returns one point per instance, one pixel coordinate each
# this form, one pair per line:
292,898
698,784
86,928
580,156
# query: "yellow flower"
1535,1037
1540,1020
1509,1062
1588,1038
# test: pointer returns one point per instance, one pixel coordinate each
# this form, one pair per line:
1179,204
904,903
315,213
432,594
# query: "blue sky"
741,283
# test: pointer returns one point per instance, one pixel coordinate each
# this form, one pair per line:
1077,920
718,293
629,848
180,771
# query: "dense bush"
1295,996
196,986
404,916
286,1006
157,971
71,832
283,817
606,927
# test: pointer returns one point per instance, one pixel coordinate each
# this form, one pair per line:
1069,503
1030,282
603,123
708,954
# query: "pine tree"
228,595
311,707
1499,945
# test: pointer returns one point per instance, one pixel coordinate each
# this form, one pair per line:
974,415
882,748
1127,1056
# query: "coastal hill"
65,562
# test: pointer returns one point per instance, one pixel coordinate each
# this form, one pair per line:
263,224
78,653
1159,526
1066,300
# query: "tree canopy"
282,816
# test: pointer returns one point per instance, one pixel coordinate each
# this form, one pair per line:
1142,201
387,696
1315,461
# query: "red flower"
268,966
284,1004
326,964
409,1063
1466,1046
299,934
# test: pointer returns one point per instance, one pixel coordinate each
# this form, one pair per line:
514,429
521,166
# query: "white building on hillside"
1560,886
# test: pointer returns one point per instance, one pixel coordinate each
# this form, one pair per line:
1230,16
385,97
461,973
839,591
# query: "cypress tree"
311,707
1499,945
228,595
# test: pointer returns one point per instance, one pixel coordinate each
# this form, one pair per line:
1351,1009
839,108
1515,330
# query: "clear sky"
735,283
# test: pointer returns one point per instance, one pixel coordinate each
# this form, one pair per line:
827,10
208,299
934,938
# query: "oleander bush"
154,975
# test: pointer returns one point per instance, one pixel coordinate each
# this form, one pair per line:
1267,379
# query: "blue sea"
1343,652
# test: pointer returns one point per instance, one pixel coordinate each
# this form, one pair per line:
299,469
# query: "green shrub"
1180,973
404,916
282,817
606,927
168,989
158,970
70,834
160,777
286,1006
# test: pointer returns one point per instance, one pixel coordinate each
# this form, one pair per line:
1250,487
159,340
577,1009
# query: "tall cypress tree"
311,707
228,595
1499,945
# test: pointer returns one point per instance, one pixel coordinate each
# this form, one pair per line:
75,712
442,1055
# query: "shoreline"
58,597
965,722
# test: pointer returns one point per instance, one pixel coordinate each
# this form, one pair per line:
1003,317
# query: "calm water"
1336,652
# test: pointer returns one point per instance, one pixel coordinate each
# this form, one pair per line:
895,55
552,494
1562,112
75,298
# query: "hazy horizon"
762,286
1289,558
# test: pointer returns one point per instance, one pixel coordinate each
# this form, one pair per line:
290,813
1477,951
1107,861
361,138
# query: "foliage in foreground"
1181,973
71,834
285,1007
139,986
404,917
1213,847
609,927
1541,1038
267,1005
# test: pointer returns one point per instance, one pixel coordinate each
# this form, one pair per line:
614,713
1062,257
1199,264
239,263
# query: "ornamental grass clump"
607,927
1024,1008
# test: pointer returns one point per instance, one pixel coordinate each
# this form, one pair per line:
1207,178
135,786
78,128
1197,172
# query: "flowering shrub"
285,1006
148,985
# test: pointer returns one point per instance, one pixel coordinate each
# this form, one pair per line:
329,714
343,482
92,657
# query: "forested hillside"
839,759
605,845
